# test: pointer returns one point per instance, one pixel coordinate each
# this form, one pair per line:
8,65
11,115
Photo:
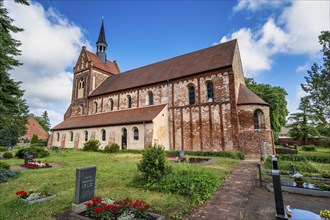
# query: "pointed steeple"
101,45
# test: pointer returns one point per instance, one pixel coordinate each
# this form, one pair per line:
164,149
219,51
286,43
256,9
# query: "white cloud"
254,5
295,31
303,68
50,45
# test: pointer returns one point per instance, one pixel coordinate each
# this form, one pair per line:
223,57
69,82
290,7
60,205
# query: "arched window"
81,86
136,133
95,107
71,136
81,83
258,119
210,93
111,105
86,135
151,98
129,101
104,133
191,90
58,136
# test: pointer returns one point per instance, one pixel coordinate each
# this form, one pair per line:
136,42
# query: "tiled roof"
108,66
247,97
202,60
128,116
33,127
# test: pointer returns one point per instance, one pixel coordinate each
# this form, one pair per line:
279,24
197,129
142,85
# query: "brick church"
196,101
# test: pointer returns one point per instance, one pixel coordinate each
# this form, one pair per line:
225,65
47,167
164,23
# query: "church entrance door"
124,139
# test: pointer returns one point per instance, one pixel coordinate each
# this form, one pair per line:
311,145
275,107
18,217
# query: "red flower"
18,192
24,193
98,210
88,204
96,200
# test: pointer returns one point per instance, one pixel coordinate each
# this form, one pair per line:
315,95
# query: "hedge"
313,158
38,152
285,151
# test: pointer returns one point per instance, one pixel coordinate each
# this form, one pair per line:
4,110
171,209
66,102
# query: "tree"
275,97
302,125
47,122
13,108
42,122
318,87
34,139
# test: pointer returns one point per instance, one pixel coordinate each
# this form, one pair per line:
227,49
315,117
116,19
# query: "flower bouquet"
33,197
298,178
325,214
37,164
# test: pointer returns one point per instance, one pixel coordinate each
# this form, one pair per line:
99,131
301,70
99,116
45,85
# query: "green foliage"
43,120
308,148
229,154
34,139
325,174
4,165
8,155
285,151
198,186
318,85
303,167
92,145
153,165
2,149
111,148
313,158
13,107
38,152
275,97
6,174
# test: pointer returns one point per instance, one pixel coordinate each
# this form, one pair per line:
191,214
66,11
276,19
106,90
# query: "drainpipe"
144,138
168,113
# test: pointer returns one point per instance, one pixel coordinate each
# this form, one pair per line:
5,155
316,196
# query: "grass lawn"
113,180
320,151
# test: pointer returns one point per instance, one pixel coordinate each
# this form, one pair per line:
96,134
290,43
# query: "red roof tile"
33,127
128,116
202,60
247,97
108,66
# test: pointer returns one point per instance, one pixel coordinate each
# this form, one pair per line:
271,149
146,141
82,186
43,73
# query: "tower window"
103,135
210,92
111,105
191,90
129,101
95,107
151,98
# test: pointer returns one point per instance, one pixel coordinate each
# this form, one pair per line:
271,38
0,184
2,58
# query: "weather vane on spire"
102,18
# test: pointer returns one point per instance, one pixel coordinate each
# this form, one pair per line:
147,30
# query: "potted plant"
298,178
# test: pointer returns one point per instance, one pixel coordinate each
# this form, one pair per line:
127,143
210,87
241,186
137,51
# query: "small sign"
85,184
29,157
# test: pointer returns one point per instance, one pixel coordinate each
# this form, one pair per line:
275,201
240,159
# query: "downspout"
144,138
168,113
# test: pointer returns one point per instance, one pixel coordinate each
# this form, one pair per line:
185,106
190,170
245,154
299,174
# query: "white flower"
297,175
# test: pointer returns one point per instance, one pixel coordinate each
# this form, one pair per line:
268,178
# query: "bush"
325,174
302,167
111,148
34,139
42,143
8,155
37,145
228,154
4,165
38,152
92,145
153,165
313,158
3,149
6,174
308,148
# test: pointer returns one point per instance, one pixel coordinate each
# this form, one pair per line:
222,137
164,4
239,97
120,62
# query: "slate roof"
108,66
247,97
191,63
121,117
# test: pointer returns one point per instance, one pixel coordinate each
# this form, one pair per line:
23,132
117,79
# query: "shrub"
34,139
308,148
285,165
111,148
92,145
6,174
153,165
38,152
313,158
4,165
8,155
37,145
325,174
42,143
2,149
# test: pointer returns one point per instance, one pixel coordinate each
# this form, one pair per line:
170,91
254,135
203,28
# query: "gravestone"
280,212
293,169
28,157
181,155
85,184
9,148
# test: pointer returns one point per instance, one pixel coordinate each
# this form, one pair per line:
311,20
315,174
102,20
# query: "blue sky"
277,39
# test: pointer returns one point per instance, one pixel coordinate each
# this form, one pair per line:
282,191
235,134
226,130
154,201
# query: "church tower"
90,71
101,45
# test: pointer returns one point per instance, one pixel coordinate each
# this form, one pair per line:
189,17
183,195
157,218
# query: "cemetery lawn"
113,180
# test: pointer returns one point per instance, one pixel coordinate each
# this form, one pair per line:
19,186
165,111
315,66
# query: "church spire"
101,45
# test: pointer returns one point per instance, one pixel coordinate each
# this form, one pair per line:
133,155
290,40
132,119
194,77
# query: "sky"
278,40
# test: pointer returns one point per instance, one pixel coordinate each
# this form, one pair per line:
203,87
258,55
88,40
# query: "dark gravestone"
181,155
293,169
280,212
28,157
9,148
85,184
274,163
